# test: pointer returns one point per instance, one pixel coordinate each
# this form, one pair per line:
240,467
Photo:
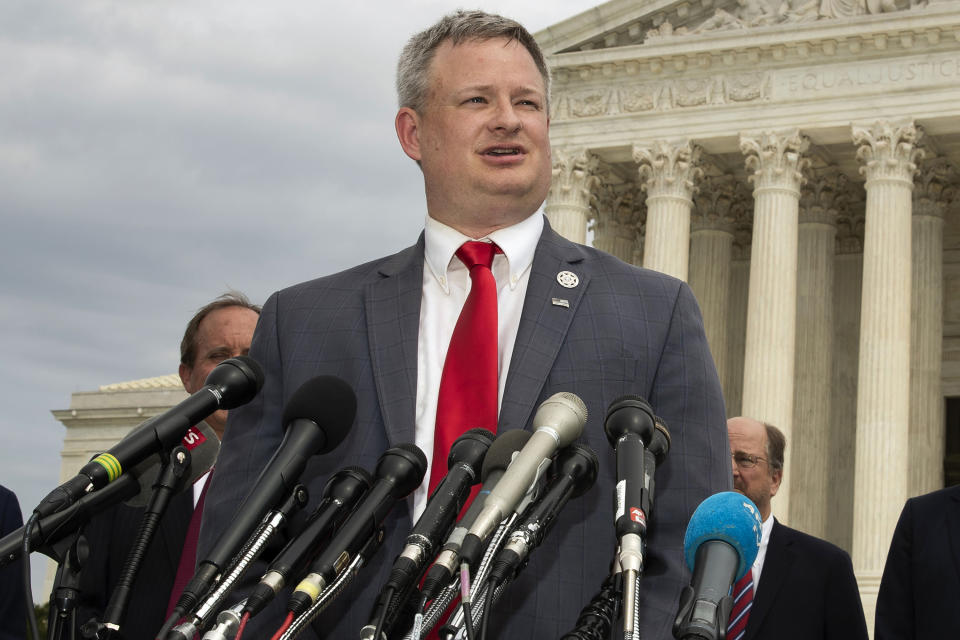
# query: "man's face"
223,333
758,483
482,139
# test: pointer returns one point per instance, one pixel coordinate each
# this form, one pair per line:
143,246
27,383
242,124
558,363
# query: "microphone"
133,487
720,545
317,418
399,472
233,382
501,453
340,495
574,472
464,464
558,422
629,425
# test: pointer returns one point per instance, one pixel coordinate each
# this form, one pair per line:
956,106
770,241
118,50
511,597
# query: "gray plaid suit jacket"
626,331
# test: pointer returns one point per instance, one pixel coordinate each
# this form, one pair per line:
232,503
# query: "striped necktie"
742,601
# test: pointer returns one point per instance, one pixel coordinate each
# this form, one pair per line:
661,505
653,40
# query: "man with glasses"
800,586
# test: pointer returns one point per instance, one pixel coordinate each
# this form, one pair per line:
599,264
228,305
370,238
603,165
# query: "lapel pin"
568,279
560,302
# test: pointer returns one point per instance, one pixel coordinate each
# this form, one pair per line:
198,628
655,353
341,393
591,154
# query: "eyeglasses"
745,460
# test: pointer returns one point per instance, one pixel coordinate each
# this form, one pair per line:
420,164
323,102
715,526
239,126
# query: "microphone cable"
597,618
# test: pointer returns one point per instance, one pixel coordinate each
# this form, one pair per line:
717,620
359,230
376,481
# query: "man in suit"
474,115
13,602
920,587
219,330
800,586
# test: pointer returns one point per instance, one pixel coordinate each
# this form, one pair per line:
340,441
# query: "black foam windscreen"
500,454
327,401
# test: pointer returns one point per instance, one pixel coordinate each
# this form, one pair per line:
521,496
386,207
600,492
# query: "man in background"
800,586
221,329
920,587
13,602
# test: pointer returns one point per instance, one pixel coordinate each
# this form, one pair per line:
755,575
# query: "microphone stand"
71,554
297,499
170,481
370,547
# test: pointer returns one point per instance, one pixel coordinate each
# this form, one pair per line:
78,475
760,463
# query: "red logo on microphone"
637,516
193,438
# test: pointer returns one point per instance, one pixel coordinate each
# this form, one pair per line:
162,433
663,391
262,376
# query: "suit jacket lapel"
393,323
776,565
543,325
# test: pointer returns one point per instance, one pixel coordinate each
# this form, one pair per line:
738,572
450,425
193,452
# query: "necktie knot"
476,253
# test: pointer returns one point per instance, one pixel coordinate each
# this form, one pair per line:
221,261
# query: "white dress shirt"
446,283
762,551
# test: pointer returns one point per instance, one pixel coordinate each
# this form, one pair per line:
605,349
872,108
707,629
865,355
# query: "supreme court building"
795,161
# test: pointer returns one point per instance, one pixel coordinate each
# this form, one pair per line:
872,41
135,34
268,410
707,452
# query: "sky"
154,154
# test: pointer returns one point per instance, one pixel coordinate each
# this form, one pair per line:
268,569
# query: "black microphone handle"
52,528
231,383
632,506
276,481
341,494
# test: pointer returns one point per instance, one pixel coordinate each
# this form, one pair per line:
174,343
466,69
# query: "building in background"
796,162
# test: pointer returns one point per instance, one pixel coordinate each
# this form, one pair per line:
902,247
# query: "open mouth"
503,151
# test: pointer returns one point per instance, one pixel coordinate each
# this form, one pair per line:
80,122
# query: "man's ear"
777,477
408,131
185,372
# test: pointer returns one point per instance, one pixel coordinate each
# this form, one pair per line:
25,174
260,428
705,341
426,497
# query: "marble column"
776,163
814,360
668,173
618,221
930,197
568,202
711,251
737,321
842,450
888,154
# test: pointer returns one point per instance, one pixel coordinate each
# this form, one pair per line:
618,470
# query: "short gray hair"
415,59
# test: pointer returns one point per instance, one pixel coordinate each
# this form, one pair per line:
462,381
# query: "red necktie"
188,557
468,387
742,601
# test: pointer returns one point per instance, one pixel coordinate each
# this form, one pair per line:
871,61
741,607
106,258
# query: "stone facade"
798,165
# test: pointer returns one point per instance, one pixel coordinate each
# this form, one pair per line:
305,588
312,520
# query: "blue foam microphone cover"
728,516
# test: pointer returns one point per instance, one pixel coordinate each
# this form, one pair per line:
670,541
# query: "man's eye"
477,100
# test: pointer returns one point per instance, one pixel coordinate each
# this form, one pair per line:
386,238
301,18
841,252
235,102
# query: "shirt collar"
518,243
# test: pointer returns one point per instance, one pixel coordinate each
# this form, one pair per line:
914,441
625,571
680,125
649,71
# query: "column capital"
934,183
887,150
620,210
669,168
720,205
776,158
574,176
824,196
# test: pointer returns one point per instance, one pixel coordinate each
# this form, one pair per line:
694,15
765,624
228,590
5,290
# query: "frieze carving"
669,168
775,158
888,150
749,14
748,86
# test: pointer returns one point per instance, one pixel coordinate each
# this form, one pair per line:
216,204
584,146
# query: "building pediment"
624,23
